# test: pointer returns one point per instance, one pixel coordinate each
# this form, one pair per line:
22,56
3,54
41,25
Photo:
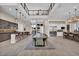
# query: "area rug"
30,46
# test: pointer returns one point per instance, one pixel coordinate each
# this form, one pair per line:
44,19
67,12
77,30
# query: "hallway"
62,47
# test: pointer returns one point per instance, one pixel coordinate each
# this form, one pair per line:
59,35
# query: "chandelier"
75,18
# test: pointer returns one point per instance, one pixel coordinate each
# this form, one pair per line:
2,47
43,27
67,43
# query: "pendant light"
69,19
75,12
20,16
76,19
16,14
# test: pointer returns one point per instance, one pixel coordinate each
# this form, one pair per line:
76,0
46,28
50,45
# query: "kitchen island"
40,40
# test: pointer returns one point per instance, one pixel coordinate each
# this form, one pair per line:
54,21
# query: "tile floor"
63,47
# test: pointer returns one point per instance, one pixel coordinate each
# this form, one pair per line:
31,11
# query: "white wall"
74,26
58,26
46,27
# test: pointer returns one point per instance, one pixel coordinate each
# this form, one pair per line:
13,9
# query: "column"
46,27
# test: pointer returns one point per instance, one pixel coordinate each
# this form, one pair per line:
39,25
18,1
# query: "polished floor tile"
63,47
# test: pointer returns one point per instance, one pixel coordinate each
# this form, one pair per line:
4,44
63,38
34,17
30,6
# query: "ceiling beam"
27,10
53,9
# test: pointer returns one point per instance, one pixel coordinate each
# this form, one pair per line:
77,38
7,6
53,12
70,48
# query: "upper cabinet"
7,25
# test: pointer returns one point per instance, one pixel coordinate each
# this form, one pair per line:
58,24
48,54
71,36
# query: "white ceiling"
10,9
60,12
38,6
8,4
63,9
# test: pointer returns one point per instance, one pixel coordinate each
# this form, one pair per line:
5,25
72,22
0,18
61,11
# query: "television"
62,27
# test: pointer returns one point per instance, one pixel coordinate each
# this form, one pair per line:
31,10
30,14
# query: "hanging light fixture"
75,11
75,16
69,19
16,14
20,15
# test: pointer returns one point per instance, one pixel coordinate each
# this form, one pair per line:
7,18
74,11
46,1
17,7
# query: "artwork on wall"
62,27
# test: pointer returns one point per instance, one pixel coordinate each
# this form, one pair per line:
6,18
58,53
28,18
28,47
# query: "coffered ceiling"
60,10
38,6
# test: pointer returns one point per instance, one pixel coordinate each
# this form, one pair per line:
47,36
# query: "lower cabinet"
71,36
4,37
76,37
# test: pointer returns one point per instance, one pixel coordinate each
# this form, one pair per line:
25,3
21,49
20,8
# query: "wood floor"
63,47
